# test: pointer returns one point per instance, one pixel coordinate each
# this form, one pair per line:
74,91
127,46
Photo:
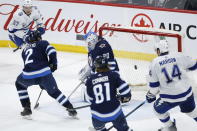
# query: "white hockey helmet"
91,39
162,45
27,3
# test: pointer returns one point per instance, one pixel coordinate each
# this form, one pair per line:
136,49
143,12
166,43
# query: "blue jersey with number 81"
102,91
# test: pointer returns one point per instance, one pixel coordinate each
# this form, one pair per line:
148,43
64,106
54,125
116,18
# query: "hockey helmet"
162,45
27,6
101,62
33,37
27,3
91,39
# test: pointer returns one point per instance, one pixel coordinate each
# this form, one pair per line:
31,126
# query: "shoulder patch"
102,45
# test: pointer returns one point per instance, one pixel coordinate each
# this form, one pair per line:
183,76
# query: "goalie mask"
91,39
162,45
27,6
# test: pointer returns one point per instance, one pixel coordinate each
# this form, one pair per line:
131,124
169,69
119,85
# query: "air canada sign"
144,20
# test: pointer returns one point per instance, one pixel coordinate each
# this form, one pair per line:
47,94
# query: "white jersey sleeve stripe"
154,84
194,67
122,86
126,91
51,51
49,46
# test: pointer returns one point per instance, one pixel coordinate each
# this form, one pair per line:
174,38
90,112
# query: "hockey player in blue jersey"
102,90
168,78
97,46
39,62
22,20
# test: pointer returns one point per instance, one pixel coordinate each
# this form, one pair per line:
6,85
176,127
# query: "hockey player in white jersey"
168,78
22,19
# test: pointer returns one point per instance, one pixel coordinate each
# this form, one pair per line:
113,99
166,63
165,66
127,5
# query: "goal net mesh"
134,49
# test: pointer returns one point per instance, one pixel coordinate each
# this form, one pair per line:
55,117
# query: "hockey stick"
130,113
37,103
75,89
16,49
80,107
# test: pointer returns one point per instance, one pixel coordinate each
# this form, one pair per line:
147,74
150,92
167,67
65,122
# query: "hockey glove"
53,67
125,99
150,97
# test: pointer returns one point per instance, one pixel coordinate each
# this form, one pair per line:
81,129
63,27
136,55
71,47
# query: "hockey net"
134,49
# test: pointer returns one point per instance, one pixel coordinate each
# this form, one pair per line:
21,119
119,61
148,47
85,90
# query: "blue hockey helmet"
91,39
33,37
101,62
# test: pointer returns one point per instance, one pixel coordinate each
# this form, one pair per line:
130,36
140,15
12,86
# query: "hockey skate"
170,128
71,111
26,113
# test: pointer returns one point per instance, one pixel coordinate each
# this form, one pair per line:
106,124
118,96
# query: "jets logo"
102,46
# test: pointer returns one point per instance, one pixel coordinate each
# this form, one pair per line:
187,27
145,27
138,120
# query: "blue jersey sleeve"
89,93
50,51
122,87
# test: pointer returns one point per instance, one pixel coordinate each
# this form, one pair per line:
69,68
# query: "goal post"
146,31
133,49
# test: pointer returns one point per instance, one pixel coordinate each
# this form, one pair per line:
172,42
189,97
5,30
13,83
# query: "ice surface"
51,116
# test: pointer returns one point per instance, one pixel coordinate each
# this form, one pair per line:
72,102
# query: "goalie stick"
80,107
75,89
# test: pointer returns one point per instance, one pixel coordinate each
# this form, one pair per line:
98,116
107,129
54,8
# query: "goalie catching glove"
84,73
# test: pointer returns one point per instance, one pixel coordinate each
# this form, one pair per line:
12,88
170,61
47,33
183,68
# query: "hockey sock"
60,97
23,95
164,118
